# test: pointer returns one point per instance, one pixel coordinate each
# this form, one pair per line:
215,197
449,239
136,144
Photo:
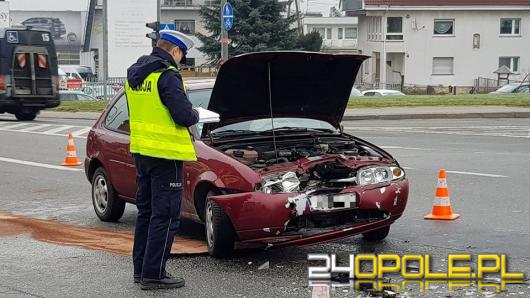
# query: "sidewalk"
453,112
395,113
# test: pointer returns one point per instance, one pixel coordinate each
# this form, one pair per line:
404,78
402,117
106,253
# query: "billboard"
4,14
66,27
126,33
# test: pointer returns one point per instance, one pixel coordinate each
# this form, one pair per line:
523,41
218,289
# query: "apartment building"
339,34
441,42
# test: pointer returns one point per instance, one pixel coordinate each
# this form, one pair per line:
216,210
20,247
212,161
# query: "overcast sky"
319,5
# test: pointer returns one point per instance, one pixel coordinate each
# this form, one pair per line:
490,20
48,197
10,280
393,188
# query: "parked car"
305,181
382,92
80,72
73,95
54,25
355,92
513,89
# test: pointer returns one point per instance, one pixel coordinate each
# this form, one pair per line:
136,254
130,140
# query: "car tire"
376,235
25,116
107,205
220,234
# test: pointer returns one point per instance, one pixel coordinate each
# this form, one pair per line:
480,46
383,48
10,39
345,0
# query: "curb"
437,116
72,116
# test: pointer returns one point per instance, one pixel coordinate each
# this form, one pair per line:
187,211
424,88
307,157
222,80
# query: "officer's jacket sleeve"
174,98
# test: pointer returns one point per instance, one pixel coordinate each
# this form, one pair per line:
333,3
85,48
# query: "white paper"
207,116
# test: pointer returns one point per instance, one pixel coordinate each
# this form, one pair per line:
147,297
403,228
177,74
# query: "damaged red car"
277,170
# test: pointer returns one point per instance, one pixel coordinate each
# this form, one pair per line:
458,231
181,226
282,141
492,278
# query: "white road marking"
57,129
398,147
477,174
14,126
38,164
81,131
35,127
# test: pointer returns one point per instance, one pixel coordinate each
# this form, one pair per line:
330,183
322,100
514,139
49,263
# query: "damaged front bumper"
289,219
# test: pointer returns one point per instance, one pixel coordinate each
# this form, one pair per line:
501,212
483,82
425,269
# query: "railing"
187,3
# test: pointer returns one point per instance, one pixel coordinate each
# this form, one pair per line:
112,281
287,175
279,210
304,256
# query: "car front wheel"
376,235
107,205
26,116
220,234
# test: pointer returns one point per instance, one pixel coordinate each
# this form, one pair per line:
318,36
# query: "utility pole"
298,17
105,48
224,35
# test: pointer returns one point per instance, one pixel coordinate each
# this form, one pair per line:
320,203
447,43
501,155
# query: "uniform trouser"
158,198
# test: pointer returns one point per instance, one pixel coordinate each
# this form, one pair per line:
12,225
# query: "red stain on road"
52,231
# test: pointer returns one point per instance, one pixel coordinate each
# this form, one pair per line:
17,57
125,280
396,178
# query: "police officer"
160,114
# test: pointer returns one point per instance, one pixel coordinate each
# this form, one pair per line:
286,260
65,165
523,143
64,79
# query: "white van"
79,72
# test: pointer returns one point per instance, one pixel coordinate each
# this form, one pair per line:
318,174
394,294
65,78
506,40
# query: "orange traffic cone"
71,155
441,208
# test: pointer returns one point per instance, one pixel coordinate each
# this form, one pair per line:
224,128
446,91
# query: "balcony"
186,3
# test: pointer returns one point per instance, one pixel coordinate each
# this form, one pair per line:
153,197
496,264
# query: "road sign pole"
224,35
105,49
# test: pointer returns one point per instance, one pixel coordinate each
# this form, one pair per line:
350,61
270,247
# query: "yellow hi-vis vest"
153,131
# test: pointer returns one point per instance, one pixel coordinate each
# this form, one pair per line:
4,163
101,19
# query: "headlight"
283,182
378,174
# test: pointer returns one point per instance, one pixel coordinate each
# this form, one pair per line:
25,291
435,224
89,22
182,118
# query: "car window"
200,98
369,94
507,88
67,96
118,116
523,89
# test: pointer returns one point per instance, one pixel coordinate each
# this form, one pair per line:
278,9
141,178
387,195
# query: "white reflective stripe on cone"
442,182
442,201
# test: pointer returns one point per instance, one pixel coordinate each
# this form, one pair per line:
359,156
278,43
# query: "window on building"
443,65
394,28
444,27
185,26
65,57
340,34
510,26
350,33
511,62
320,31
328,33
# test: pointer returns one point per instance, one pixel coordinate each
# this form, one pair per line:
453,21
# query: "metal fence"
97,88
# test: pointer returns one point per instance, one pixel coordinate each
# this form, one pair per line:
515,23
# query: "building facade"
444,42
183,13
339,34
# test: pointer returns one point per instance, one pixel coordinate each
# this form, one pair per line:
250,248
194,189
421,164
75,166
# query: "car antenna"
270,108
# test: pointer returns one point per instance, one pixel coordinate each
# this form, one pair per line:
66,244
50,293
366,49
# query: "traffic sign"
167,26
12,36
228,16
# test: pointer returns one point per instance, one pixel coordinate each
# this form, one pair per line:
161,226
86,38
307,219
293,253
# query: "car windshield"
264,125
201,98
507,88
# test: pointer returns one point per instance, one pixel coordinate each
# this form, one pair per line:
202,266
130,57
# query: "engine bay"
263,154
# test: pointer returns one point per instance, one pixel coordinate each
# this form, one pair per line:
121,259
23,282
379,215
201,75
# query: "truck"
29,78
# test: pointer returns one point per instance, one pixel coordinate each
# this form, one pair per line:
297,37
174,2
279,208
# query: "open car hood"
302,85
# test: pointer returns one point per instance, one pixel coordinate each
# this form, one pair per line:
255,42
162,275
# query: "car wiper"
233,132
297,129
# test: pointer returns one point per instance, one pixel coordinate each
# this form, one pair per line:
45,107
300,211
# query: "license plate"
333,201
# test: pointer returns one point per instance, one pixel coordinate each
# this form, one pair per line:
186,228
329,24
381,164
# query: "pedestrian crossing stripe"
45,129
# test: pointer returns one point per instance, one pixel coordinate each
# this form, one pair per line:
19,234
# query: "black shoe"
138,277
168,282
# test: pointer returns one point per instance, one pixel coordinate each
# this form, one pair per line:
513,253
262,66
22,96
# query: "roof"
503,70
446,2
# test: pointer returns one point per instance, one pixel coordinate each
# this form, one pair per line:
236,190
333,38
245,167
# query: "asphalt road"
487,162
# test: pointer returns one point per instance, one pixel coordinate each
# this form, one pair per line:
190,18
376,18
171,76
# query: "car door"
119,161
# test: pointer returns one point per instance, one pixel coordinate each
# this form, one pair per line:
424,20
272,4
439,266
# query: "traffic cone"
441,208
71,155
